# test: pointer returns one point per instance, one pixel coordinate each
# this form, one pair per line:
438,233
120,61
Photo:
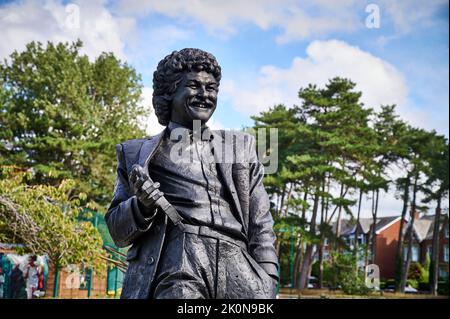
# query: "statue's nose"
201,91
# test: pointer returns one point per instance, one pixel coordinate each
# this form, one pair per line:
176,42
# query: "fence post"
291,258
56,282
115,282
90,283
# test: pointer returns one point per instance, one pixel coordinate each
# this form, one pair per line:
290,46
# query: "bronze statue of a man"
199,228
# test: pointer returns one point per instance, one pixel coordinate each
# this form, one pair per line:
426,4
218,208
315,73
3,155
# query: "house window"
351,242
446,253
429,250
414,253
446,232
443,273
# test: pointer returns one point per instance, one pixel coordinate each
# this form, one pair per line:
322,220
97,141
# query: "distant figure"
32,276
2,282
17,283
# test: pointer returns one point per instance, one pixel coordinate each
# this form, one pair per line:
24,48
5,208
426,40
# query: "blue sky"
404,61
267,49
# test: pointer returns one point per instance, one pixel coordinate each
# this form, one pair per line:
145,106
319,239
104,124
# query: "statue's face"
195,98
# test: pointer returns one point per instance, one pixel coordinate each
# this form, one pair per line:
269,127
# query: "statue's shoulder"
237,133
136,142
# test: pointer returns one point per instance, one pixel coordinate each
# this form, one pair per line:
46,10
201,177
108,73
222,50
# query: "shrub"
413,283
416,272
327,271
347,275
443,287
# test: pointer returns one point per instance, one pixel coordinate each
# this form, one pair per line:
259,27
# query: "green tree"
348,276
45,220
436,189
418,142
62,114
386,150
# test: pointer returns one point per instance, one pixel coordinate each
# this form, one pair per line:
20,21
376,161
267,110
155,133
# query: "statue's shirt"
194,186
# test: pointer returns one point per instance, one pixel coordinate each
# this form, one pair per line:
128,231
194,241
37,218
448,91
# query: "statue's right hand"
144,188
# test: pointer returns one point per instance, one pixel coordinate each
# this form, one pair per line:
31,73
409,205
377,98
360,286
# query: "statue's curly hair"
168,76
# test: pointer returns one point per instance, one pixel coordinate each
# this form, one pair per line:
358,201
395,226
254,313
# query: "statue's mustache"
201,101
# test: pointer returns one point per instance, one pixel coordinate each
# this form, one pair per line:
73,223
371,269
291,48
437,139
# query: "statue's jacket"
244,181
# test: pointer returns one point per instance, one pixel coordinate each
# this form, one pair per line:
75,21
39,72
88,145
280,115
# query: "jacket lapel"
148,150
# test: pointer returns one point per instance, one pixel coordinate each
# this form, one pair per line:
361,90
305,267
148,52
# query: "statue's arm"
124,217
261,235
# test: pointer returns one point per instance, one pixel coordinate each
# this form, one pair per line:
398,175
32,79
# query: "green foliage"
62,115
289,227
417,272
332,142
348,276
426,269
443,287
45,219
327,271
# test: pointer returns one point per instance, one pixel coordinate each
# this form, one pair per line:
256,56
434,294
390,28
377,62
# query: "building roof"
424,227
348,226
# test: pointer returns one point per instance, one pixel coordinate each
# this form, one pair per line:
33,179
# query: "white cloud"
51,20
406,15
297,20
379,81
149,124
214,124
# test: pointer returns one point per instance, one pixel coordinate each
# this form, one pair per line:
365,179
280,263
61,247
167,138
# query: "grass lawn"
287,293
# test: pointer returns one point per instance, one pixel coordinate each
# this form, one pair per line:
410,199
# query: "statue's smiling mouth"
201,105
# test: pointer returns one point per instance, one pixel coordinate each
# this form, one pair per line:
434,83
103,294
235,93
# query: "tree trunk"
405,269
307,259
357,223
286,211
434,267
320,279
322,237
374,226
399,252
298,264
282,202
338,221
305,198
278,204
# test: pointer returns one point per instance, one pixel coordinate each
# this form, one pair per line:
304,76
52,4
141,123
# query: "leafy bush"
416,272
413,283
45,219
327,271
347,275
